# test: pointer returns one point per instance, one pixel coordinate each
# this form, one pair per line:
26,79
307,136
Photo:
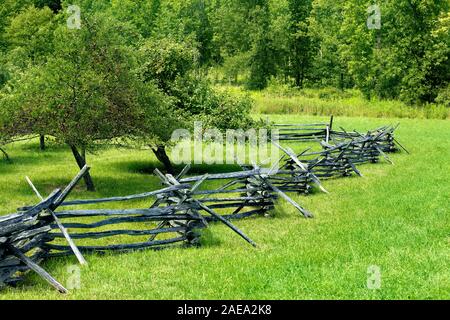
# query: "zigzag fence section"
175,214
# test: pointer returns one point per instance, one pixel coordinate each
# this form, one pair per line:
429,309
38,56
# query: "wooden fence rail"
176,213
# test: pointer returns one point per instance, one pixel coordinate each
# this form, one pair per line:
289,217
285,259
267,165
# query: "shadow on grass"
208,239
20,161
106,186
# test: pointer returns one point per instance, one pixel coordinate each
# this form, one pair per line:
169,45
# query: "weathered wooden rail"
342,152
23,237
176,213
303,132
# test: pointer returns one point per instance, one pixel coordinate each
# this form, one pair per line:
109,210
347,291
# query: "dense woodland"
139,69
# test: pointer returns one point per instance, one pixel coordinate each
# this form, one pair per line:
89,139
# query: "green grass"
396,217
323,102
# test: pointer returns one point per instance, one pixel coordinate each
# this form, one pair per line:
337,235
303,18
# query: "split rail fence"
176,214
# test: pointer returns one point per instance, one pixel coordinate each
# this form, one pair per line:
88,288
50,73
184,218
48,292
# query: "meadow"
283,99
396,217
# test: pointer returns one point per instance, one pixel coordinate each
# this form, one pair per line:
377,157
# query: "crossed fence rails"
181,209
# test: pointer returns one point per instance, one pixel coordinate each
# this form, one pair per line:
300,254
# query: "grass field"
395,217
279,99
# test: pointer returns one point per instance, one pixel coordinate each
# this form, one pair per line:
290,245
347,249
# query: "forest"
394,49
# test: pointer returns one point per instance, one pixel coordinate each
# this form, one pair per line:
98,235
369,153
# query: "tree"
329,65
29,40
88,90
233,27
197,23
262,65
172,65
404,58
4,138
141,14
235,65
279,33
8,10
300,53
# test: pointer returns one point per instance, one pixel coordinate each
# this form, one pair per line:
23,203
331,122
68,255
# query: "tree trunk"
298,79
42,142
5,154
81,161
161,155
83,153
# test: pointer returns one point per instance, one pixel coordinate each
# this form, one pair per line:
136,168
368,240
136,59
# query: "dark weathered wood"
110,233
221,176
83,172
181,209
59,200
30,233
44,204
25,223
120,212
168,181
228,223
300,164
131,246
401,146
36,268
106,222
126,198
305,212
184,172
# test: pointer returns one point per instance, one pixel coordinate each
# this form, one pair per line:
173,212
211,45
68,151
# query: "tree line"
136,70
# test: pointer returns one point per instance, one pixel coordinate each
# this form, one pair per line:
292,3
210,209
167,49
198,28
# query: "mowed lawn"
396,217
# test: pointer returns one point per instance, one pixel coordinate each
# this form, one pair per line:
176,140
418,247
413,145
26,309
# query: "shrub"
443,97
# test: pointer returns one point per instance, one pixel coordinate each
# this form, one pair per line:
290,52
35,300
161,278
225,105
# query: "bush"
443,97
219,109
173,67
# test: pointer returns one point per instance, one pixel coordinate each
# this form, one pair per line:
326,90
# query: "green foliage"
444,96
88,90
262,65
301,47
133,70
164,61
142,14
405,58
283,99
236,65
198,24
54,5
165,48
234,26
29,37
328,43
173,67
328,63
8,9
229,112
221,110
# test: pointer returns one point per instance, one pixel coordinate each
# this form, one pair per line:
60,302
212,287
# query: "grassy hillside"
396,217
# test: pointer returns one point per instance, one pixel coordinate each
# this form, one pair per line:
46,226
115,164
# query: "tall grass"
330,101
